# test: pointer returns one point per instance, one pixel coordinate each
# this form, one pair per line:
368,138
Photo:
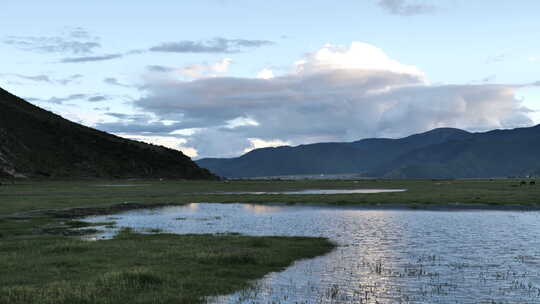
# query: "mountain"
37,143
439,153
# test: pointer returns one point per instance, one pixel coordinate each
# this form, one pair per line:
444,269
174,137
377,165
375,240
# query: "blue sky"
185,73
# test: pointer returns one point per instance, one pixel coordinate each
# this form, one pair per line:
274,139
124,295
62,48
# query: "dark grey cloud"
97,98
71,98
37,78
83,59
91,58
113,81
216,45
404,8
134,127
159,68
44,78
69,79
59,100
74,41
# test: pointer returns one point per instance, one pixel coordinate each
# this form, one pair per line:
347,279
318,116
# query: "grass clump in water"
141,268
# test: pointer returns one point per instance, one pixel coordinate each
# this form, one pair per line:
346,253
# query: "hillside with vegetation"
40,144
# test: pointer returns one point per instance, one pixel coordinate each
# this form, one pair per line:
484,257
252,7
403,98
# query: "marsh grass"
41,263
42,260
28,195
141,268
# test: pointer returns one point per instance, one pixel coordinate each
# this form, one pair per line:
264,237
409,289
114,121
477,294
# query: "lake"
384,256
321,191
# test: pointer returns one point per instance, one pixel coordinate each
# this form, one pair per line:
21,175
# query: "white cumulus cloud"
339,93
265,74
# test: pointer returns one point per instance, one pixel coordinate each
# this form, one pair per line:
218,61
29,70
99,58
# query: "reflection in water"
122,185
322,191
192,206
384,256
261,208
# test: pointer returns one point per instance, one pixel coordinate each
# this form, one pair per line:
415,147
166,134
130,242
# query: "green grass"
46,195
42,262
135,268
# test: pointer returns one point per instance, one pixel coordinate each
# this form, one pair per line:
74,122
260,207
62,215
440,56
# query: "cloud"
166,141
500,57
265,74
137,124
59,100
45,78
74,41
335,94
91,58
70,79
216,45
402,8
70,98
113,81
357,56
195,71
159,69
97,98
257,143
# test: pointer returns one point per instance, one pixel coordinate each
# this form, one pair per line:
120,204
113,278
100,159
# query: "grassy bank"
43,261
134,268
47,195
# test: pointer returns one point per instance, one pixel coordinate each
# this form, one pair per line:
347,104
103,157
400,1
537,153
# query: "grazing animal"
523,183
532,183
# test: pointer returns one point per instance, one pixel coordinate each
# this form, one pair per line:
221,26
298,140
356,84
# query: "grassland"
42,262
135,268
54,195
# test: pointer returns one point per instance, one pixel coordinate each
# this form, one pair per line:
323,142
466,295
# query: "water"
323,191
122,185
384,256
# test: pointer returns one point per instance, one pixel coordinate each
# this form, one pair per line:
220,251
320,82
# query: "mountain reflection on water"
384,256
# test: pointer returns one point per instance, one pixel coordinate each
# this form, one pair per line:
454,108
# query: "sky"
218,78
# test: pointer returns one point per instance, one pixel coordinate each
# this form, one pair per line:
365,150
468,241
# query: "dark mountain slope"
496,153
35,142
328,158
443,152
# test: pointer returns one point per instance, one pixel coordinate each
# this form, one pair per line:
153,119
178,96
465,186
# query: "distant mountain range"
37,143
439,153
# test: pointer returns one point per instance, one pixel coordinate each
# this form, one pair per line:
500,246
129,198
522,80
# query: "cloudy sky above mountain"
220,77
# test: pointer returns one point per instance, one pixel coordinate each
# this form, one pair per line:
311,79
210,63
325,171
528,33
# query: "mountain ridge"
438,153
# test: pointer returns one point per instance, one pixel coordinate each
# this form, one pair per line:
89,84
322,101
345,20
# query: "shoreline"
79,212
403,206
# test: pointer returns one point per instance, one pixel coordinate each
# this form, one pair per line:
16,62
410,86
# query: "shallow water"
323,191
122,185
384,256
